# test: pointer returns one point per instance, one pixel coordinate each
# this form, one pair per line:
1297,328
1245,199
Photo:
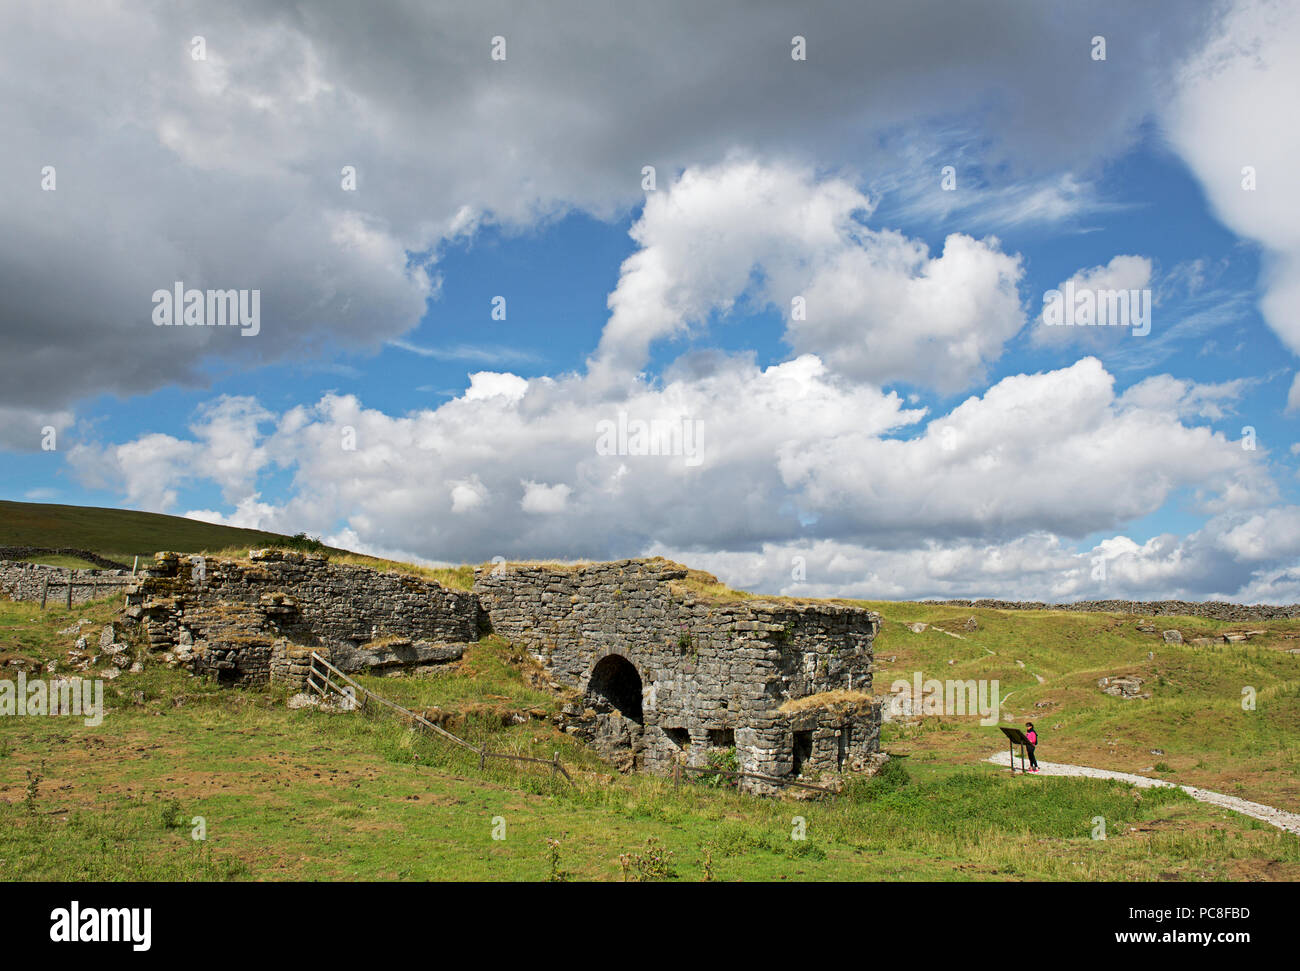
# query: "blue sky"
920,433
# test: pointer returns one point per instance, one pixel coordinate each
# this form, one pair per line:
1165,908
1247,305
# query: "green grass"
59,559
313,795
1194,717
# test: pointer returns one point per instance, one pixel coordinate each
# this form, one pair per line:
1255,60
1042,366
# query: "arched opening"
615,680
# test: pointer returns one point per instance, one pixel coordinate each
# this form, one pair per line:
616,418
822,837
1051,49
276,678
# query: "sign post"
1015,737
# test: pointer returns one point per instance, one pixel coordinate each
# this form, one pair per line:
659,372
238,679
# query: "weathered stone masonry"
672,676
28,581
666,675
240,622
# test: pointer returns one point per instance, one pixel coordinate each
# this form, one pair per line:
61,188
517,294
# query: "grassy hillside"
306,794
118,533
1048,664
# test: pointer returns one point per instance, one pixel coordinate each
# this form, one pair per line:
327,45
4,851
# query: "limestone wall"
667,675
713,674
26,552
26,581
227,618
1211,609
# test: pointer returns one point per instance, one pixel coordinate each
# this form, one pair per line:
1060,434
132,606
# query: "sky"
820,258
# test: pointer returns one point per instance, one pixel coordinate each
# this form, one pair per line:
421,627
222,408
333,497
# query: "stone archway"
616,681
618,733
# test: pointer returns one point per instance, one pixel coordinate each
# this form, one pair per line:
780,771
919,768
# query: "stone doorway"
614,690
615,681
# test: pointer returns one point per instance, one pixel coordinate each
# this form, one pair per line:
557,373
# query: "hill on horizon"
118,533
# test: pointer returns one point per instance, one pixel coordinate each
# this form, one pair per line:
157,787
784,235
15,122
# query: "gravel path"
1276,817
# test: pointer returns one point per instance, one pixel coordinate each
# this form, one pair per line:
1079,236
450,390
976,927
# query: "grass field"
60,559
1194,717
305,794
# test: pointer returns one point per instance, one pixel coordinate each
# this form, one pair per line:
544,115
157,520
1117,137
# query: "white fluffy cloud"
1211,563
1057,451
1229,115
1124,274
874,305
986,498
544,499
151,469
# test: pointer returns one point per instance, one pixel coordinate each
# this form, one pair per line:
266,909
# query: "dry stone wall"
31,581
671,676
1211,609
26,552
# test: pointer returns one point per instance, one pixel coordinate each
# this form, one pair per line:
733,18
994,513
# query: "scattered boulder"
971,624
1123,686
917,627
1172,637
898,707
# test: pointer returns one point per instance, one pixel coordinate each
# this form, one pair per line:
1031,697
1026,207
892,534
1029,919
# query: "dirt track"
1275,817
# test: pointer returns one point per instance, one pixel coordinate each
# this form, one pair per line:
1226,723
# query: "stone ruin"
668,675
663,674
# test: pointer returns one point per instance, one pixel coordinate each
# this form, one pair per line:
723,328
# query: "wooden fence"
741,776
325,681
322,683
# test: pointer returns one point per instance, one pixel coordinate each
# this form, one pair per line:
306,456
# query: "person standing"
1033,744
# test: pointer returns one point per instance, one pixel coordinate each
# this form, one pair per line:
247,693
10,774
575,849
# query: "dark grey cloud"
225,173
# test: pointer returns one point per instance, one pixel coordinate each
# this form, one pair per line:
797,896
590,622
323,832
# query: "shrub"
892,776
720,761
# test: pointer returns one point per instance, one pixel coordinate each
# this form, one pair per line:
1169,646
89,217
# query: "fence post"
482,758
45,591
69,591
